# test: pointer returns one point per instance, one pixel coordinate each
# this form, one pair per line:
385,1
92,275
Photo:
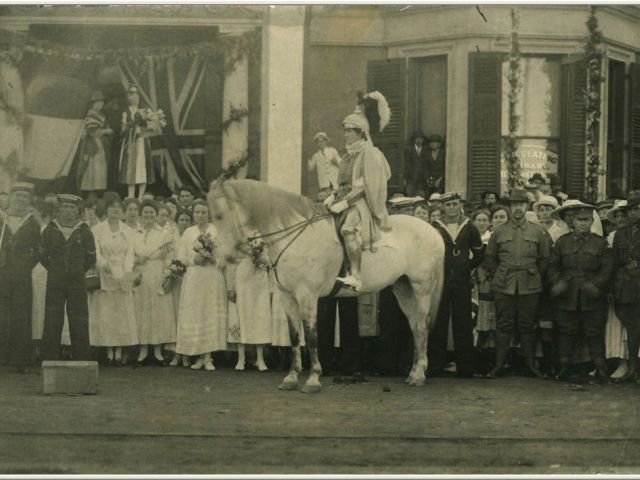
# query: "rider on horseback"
362,187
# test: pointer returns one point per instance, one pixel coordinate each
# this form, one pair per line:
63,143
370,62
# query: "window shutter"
572,159
634,123
255,113
485,119
389,77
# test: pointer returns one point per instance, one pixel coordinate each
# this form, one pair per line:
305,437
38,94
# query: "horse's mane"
262,201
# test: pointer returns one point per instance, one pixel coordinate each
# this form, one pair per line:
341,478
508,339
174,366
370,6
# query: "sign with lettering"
536,156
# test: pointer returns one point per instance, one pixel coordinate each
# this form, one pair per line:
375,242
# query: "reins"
296,228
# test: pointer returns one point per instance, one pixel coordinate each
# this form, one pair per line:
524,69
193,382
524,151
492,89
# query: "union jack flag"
183,90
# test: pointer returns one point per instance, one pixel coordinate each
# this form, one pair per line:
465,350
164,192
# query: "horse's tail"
435,295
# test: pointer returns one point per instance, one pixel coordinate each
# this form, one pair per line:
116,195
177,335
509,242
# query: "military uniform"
626,290
516,259
17,348
579,271
66,261
462,253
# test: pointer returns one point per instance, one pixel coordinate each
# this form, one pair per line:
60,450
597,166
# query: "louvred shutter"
485,112
572,159
389,77
255,113
634,123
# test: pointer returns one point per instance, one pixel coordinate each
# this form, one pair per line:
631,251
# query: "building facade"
441,67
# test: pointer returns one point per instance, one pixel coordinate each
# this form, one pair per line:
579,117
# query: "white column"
235,139
281,127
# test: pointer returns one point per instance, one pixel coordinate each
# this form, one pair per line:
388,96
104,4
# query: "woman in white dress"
112,321
131,215
202,318
250,289
178,229
155,313
615,333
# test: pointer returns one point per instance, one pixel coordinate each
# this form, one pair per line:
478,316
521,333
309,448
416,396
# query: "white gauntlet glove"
329,200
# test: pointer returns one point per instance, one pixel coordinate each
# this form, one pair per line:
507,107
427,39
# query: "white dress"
112,321
155,313
253,305
280,325
615,333
202,318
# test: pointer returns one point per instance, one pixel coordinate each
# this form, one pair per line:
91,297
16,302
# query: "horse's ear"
217,182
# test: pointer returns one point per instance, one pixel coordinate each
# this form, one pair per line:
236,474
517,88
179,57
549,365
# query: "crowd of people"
535,283
132,281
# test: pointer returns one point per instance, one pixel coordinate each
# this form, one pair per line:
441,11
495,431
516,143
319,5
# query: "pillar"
235,139
281,129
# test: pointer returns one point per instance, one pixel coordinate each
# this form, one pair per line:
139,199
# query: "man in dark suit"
435,165
415,158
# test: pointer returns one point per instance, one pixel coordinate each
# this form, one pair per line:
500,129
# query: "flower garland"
515,84
234,167
593,58
236,114
231,48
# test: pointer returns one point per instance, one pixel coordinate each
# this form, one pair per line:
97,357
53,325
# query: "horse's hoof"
417,382
408,380
288,386
311,389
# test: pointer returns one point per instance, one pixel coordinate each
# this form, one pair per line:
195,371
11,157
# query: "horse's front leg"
292,311
309,311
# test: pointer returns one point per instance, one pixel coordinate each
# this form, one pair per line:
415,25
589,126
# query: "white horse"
307,256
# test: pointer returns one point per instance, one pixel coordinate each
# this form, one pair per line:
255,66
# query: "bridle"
296,230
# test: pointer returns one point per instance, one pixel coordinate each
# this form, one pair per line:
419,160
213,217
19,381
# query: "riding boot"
503,342
565,349
354,253
597,352
528,343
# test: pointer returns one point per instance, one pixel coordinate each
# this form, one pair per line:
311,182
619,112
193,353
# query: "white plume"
384,112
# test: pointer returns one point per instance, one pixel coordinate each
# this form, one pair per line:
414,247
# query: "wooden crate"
69,378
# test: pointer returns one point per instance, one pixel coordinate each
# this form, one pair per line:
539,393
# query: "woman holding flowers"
135,153
202,318
155,313
112,321
253,303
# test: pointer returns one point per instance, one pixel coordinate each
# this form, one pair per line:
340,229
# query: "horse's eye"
218,216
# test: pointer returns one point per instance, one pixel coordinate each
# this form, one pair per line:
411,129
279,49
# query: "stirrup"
351,281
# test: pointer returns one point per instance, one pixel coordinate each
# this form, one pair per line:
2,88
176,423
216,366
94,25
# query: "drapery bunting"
232,48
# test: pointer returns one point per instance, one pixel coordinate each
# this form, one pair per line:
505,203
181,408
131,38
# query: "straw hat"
546,200
570,205
619,205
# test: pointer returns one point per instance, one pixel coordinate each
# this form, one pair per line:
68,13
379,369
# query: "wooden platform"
169,420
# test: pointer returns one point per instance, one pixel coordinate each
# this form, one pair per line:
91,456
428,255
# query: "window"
539,108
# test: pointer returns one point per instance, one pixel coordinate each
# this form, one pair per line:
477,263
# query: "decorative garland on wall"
232,48
236,114
515,85
234,167
593,58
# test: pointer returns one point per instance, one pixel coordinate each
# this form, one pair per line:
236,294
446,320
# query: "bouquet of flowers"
175,270
147,120
205,247
257,252
155,117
